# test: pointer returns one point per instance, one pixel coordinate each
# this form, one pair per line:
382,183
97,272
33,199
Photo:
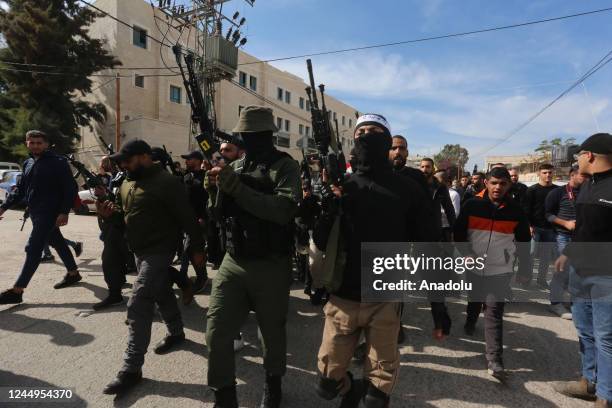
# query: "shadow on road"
61,333
11,380
168,389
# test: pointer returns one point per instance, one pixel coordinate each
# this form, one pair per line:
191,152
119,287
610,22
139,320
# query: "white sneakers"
560,310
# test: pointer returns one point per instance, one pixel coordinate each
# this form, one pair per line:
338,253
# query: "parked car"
8,183
88,203
10,166
3,172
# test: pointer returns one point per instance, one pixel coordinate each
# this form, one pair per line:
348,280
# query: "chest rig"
245,234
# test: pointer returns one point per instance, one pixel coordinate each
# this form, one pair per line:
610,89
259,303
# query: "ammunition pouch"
249,236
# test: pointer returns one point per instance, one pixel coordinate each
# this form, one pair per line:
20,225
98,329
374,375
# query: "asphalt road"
55,340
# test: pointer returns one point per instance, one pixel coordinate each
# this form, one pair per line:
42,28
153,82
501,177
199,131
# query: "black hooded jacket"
377,206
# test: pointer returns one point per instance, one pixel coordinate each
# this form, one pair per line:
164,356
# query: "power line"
123,22
263,98
77,74
66,67
444,36
599,65
438,37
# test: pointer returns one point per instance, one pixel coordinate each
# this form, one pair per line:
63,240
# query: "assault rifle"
91,180
208,138
169,162
322,131
26,215
341,158
306,176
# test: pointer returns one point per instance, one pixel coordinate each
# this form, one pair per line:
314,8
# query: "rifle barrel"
312,84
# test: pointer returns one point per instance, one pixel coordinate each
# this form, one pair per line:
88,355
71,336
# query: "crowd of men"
245,213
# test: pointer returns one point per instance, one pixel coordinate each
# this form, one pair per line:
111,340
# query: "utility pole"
118,113
217,37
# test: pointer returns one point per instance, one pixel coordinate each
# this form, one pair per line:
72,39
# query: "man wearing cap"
590,282
198,197
116,256
258,201
371,200
156,209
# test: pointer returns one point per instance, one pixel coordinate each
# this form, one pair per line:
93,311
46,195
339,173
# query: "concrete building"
154,104
527,165
520,160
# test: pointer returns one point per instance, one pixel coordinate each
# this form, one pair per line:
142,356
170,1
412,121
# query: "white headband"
374,119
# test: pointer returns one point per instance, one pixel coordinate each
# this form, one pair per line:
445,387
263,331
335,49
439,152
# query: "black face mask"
257,144
372,151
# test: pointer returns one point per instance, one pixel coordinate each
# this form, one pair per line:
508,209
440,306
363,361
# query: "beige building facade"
526,163
153,102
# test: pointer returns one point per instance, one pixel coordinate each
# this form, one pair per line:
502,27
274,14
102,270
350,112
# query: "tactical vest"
246,235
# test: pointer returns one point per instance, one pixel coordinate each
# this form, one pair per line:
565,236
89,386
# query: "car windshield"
8,176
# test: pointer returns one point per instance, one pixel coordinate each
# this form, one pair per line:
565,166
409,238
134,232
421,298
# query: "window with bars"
139,81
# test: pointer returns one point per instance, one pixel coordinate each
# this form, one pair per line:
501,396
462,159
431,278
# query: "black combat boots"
355,394
226,397
272,392
375,398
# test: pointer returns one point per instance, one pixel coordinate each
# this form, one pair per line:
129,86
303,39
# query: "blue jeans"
43,231
544,239
592,314
560,280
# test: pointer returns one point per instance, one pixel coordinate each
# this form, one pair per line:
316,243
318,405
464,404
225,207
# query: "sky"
471,90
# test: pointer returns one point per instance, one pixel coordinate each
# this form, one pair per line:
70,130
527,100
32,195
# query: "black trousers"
115,258
493,326
489,294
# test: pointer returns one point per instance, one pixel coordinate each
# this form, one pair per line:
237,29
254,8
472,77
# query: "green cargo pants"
242,285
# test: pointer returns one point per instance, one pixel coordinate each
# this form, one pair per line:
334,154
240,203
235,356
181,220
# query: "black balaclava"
372,151
257,144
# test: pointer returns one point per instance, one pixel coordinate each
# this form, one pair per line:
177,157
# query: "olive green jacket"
279,207
156,210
